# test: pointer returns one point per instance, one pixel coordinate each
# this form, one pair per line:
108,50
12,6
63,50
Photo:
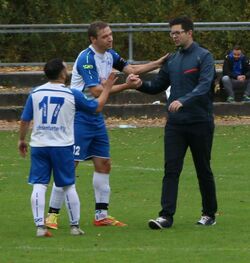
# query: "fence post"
130,45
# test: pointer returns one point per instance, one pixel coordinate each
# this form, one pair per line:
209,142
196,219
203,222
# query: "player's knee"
57,188
69,188
225,78
104,166
39,190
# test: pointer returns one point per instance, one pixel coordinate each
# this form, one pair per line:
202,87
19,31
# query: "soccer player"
52,107
91,139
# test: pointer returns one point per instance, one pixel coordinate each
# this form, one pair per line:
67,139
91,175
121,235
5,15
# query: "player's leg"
64,176
101,186
39,176
100,150
55,204
73,207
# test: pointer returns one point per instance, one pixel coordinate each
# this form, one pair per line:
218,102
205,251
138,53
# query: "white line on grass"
133,168
145,248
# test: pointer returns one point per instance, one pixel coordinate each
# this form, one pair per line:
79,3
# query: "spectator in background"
236,74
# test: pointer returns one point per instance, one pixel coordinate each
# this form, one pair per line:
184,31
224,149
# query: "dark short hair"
53,68
185,22
237,47
95,27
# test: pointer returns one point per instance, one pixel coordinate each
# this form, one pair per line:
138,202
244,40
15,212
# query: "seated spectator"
236,74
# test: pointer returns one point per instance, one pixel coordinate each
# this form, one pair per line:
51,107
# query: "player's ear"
64,75
92,39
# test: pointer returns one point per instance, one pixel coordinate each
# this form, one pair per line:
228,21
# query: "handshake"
133,81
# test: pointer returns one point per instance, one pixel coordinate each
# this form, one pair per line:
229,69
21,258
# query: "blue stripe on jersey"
86,67
68,91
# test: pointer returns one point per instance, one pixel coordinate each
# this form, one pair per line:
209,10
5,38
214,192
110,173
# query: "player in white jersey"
52,108
91,139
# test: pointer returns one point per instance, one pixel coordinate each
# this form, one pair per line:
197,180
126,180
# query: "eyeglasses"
176,33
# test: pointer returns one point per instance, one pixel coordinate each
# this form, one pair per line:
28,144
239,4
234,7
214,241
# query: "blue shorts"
60,160
91,141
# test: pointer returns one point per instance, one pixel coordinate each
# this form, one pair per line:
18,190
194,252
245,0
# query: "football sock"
38,203
73,204
54,210
56,199
102,194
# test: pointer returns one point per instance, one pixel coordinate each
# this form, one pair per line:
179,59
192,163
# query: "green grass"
137,156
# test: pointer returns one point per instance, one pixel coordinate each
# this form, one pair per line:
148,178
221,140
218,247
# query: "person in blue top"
93,65
52,108
190,73
236,74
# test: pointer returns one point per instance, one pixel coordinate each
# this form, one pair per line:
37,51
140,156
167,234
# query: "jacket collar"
189,49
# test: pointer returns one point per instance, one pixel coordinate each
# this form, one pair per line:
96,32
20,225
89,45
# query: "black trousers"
199,137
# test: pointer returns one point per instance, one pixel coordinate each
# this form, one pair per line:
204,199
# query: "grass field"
136,183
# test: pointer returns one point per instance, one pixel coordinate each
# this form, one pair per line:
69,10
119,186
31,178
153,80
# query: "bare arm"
97,90
143,68
22,145
105,90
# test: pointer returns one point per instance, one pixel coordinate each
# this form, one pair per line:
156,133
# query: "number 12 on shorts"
76,150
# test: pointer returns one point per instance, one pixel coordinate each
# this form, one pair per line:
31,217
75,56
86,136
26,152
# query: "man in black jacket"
190,73
236,74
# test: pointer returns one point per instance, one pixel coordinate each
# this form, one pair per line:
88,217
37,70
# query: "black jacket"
190,73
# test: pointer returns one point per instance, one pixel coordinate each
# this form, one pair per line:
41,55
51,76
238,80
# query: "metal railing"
129,28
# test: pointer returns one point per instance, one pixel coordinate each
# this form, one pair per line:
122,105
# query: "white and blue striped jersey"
89,69
52,108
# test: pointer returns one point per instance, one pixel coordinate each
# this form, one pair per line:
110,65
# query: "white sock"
101,187
102,193
72,203
38,203
56,197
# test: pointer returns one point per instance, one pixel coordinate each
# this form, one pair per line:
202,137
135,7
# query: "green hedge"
147,46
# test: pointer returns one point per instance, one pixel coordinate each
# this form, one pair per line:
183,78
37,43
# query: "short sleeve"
84,104
86,67
119,63
27,114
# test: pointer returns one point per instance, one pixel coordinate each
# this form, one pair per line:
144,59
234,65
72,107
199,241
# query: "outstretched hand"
110,81
133,81
161,60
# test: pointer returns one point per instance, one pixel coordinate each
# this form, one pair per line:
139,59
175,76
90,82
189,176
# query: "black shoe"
206,221
161,222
